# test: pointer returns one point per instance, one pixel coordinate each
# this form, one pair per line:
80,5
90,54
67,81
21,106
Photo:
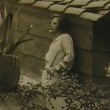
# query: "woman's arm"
67,45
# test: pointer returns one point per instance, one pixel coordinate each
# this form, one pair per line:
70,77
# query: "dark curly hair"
65,23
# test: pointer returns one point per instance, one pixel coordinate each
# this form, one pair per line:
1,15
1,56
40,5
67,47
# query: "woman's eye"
54,23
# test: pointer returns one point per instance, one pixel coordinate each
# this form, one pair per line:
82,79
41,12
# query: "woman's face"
53,28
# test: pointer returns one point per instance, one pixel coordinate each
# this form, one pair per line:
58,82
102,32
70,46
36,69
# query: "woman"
60,55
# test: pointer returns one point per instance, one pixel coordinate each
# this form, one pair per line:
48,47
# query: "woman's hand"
50,70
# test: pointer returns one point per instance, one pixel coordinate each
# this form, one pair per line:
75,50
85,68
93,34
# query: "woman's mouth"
50,28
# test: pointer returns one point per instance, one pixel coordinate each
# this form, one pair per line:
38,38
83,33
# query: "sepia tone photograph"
54,54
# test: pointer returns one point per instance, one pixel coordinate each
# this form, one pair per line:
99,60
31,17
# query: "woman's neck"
57,34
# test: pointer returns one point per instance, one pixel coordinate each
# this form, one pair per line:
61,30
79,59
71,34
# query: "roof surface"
87,9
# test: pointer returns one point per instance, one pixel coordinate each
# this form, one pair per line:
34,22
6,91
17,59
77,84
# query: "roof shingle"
72,10
79,2
87,9
90,16
42,4
57,7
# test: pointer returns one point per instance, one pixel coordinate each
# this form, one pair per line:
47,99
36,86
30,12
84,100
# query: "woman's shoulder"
65,36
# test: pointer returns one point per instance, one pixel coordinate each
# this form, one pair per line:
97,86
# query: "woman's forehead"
55,19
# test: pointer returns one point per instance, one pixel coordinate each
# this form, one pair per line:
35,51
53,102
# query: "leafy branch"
7,45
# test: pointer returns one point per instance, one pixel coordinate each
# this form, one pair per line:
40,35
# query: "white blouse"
60,54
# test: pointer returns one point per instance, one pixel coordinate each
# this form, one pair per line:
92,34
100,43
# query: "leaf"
4,30
14,47
14,25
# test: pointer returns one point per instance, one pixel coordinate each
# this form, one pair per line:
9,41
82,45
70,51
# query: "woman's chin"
50,31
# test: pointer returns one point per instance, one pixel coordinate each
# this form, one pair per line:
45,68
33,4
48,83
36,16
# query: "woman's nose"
50,25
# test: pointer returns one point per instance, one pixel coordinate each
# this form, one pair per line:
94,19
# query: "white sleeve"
67,45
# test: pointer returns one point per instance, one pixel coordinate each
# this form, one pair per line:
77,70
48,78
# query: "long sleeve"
67,45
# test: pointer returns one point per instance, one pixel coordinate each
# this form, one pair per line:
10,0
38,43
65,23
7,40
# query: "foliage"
88,96
28,97
8,29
